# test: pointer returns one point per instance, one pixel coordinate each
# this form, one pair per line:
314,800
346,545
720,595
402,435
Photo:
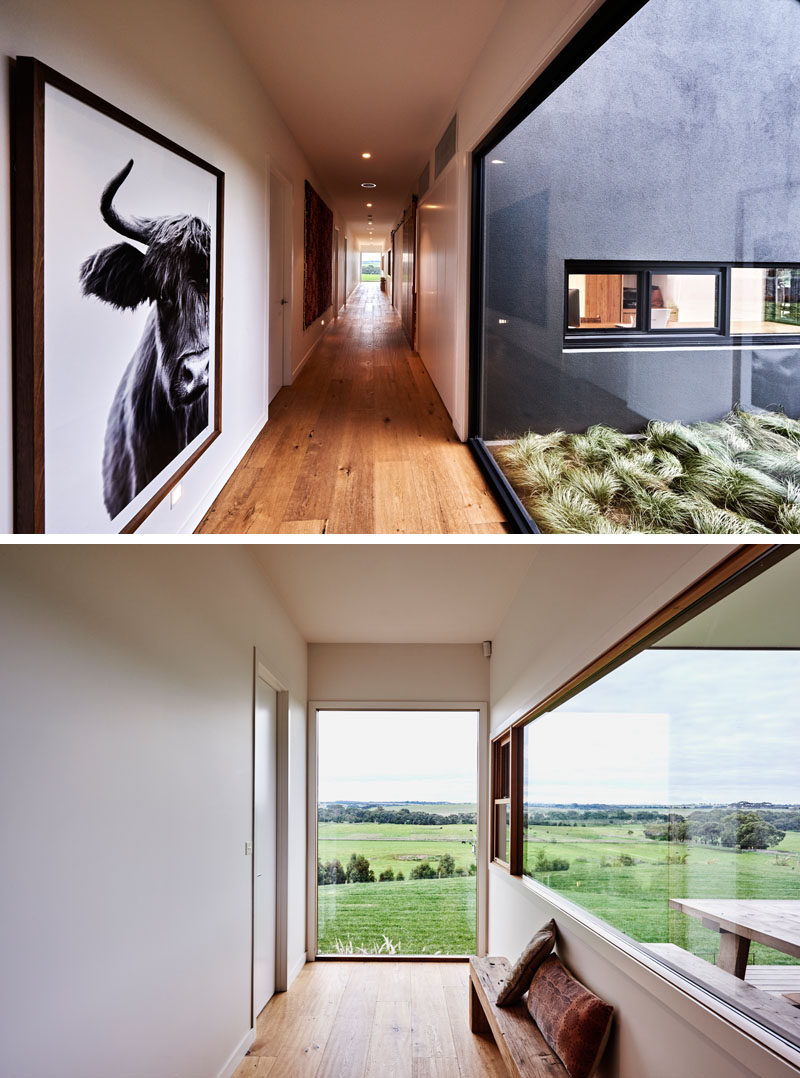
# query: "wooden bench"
524,1050
777,1013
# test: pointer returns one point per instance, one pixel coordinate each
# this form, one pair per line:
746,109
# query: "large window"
664,798
636,250
397,832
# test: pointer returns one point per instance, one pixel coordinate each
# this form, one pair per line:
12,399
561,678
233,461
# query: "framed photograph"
117,309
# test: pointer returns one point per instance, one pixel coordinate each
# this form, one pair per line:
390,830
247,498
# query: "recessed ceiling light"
366,156
369,185
369,205
497,161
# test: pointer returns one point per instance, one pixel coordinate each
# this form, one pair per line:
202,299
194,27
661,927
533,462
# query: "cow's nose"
194,374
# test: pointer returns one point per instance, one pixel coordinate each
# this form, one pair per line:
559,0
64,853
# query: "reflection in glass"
684,301
670,786
765,300
602,301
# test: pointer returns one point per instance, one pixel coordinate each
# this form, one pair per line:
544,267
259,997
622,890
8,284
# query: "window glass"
502,831
665,798
602,301
765,300
396,832
643,156
684,301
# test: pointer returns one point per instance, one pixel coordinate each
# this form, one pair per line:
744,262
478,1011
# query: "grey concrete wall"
677,141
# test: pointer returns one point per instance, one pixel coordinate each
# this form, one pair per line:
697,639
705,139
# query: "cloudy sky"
398,755
674,727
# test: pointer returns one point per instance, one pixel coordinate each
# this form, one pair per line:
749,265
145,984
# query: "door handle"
284,301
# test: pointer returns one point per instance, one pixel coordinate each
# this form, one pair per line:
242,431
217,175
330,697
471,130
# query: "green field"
615,872
370,276
633,898
417,916
396,846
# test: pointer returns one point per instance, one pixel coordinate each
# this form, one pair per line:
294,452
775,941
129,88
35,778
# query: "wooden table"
773,922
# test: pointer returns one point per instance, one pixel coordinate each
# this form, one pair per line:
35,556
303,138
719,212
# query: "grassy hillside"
418,916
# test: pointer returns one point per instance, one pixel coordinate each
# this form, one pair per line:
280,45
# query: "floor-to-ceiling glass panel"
667,147
397,832
664,799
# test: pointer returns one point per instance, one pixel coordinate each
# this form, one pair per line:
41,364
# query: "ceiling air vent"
446,147
424,181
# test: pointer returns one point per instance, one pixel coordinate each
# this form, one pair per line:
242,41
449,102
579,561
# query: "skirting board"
308,354
293,972
238,1054
205,503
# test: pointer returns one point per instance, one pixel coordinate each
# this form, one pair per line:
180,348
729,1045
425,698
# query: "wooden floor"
361,443
372,1020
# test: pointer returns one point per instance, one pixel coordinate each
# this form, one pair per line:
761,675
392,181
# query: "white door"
277,294
264,844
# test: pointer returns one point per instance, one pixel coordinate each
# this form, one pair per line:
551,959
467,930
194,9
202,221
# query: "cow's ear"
116,275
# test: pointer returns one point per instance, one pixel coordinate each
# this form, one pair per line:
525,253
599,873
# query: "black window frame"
643,335
602,25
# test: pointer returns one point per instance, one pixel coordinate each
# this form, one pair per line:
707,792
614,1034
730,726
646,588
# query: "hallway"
360,443
369,1020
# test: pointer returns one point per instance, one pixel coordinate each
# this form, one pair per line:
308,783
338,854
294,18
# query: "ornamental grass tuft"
738,476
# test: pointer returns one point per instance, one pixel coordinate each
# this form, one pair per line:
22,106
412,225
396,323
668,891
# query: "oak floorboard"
368,1019
432,1036
390,1044
254,1067
359,444
478,1056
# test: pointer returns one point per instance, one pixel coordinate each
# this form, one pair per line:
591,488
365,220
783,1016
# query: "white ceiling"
350,76
391,594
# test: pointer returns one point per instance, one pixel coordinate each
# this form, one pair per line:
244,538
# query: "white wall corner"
238,1054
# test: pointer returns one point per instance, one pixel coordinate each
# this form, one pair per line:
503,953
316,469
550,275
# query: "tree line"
358,870
339,813
719,827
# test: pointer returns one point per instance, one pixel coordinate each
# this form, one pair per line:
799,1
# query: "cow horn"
135,228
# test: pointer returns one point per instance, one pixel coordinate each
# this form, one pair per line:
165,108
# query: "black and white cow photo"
161,402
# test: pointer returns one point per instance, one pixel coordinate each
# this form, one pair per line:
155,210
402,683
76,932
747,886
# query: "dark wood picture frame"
30,77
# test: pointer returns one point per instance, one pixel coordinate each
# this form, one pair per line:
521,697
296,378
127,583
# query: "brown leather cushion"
524,968
574,1021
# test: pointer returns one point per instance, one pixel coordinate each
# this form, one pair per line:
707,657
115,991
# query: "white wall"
437,277
125,801
174,67
397,672
575,603
526,36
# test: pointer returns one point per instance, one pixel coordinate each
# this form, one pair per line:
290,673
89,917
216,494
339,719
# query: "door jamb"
263,672
288,265
312,782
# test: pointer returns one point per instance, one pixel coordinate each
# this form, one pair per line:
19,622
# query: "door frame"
288,265
336,283
483,815
264,673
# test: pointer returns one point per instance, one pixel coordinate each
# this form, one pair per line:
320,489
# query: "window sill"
711,1016
635,341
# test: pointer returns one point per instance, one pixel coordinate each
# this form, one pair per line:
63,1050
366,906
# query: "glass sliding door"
397,832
